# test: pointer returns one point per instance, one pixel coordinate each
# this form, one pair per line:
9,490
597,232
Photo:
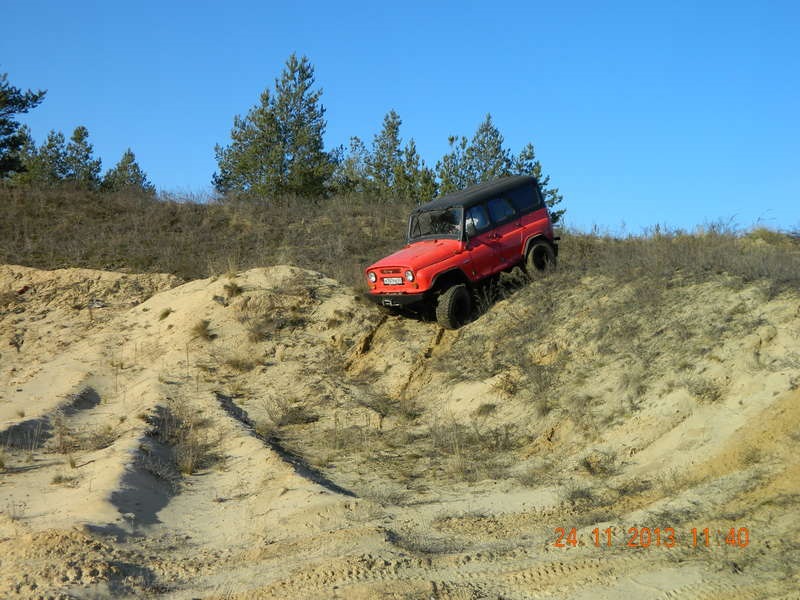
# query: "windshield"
436,224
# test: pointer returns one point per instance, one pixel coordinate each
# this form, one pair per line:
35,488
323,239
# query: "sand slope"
272,435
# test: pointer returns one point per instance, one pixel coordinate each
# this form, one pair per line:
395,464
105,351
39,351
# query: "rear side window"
525,199
476,216
500,210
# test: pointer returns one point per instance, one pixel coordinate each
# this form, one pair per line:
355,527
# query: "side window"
500,210
477,218
525,199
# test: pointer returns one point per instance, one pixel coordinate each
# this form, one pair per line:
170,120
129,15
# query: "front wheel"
540,259
454,307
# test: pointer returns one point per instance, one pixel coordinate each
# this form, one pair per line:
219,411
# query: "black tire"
540,259
454,307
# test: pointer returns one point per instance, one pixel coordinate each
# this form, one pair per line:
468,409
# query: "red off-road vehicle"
460,240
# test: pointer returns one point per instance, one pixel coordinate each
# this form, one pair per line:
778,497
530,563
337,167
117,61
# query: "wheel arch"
448,279
538,237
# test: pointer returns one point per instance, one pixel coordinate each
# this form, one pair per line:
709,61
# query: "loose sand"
302,444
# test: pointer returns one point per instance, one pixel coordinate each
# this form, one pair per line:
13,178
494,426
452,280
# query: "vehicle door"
483,249
531,213
506,229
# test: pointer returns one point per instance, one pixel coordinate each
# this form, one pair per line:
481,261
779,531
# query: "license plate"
392,281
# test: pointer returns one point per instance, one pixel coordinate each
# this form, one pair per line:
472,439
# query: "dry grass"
202,330
115,231
599,462
233,289
62,479
144,234
240,362
704,390
180,428
283,412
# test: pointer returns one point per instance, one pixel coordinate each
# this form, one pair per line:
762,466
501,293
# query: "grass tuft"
202,330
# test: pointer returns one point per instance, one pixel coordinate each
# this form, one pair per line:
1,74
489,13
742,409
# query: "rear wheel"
454,307
540,259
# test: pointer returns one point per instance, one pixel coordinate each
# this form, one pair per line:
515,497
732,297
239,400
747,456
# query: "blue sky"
676,113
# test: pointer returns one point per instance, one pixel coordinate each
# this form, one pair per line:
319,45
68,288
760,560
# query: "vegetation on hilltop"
49,228
13,101
276,149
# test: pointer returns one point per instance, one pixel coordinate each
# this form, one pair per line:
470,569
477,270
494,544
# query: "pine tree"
254,161
385,160
127,175
413,180
13,101
452,168
350,174
301,121
525,163
82,169
278,146
486,159
43,166
483,158
27,157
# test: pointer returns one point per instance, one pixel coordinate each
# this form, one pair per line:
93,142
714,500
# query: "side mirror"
471,231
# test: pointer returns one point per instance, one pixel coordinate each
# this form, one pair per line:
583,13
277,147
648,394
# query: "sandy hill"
269,434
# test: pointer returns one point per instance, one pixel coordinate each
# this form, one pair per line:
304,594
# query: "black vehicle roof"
476,193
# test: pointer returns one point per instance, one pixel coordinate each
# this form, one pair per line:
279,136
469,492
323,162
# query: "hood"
420,254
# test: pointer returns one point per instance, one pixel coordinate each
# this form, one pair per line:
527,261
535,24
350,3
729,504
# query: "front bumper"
397,300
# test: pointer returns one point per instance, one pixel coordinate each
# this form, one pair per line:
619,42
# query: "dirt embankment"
269,434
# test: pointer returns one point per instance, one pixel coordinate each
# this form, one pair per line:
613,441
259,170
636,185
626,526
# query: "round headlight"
372,277
409,276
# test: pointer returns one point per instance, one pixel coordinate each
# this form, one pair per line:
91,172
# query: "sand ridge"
269,434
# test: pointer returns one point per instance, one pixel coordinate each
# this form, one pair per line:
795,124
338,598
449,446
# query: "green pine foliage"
525,163
484,158
385,160
13,102
452,168
44,166
414,181
277,148
126,176
350,174
389,169
82,169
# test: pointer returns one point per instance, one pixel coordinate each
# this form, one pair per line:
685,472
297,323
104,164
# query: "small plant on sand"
189,450
202,330
486,409
283,412
580,494
233,289
505,385
62,479
183,430
164,314
64,437
260,329
240,363
704,390
598,462
100,438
